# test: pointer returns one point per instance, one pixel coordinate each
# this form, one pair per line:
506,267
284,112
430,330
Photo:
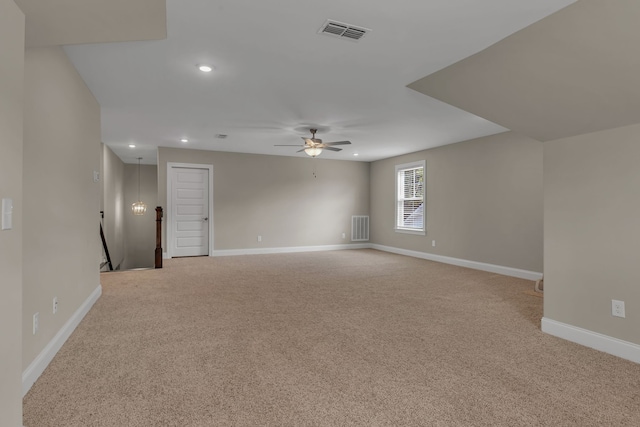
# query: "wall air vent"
342,30
359,228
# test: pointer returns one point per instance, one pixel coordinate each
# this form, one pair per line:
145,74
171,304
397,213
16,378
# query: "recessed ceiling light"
205,68
184,140
132,145
355,154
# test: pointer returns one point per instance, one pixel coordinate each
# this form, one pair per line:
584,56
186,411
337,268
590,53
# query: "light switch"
7,214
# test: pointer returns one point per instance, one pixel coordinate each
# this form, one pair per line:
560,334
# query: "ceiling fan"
313,146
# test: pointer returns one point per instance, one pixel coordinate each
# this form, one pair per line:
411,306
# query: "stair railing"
159,237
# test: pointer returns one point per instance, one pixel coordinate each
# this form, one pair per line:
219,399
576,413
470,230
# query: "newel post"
159,237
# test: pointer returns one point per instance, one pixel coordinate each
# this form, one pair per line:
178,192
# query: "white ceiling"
275,76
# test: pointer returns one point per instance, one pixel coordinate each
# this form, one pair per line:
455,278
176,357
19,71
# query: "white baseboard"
624,349
492,268
261,251
39,364
165,255
507,271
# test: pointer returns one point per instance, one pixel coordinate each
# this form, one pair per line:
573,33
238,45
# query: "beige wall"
276,197
484,202
592,231
113,204
140,230
11,105
555,78
61,242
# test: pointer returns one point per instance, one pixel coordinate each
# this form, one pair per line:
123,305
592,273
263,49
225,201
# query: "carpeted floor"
356,337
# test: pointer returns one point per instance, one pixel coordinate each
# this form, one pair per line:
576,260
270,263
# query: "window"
410,197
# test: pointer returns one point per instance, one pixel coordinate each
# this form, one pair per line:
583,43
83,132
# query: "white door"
190,217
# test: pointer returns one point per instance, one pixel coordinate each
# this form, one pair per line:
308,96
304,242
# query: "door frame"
169,228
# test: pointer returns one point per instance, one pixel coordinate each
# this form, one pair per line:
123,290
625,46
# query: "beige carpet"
325,339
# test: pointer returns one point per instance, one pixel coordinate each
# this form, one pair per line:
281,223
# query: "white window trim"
412,165
408,231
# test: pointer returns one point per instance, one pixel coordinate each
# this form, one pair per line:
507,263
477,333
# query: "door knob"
205,219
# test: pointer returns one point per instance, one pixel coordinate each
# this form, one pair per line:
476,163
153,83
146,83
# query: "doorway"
189,210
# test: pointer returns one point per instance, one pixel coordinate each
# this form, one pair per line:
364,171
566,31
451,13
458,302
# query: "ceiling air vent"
221,135
342,30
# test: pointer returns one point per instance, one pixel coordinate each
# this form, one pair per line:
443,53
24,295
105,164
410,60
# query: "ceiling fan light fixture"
313,151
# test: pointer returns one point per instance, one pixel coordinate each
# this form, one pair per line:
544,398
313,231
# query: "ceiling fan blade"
287,145
300,151
338,143
332,148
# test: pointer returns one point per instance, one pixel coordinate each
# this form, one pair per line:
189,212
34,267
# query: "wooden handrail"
159,237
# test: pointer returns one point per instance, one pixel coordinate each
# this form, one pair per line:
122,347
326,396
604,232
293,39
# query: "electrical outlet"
433,243
344,235
617,308
55,305
259,239
35,323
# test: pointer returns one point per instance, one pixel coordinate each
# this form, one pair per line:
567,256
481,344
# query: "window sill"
406,231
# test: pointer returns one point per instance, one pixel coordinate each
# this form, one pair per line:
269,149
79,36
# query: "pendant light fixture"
138,207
